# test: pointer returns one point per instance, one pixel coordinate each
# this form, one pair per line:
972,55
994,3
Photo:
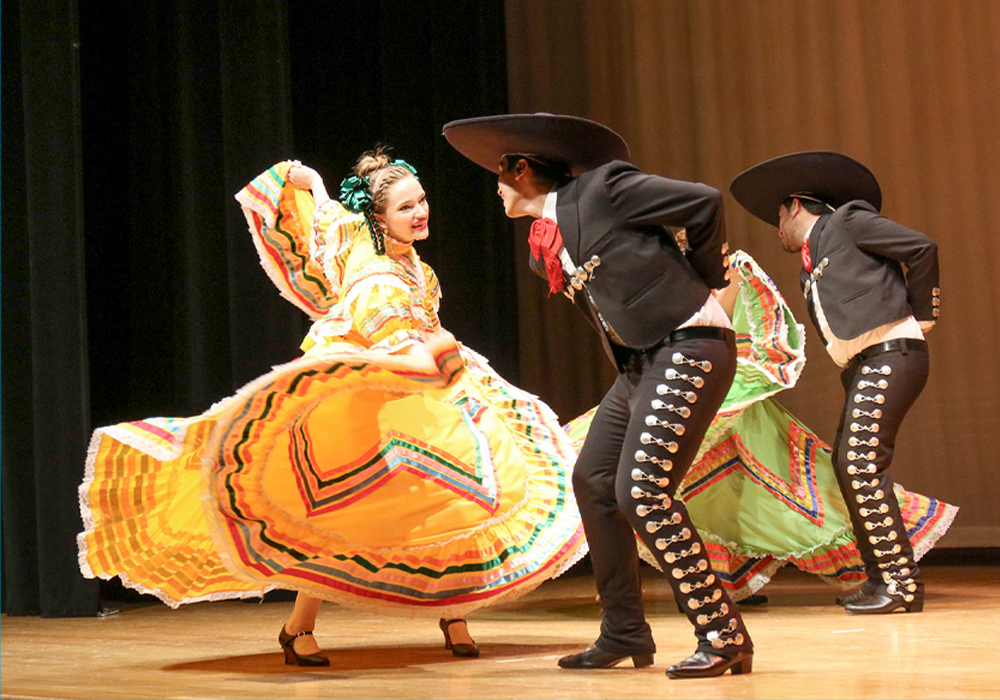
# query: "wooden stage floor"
806,647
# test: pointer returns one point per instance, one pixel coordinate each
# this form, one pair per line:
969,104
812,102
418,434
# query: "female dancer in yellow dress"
389,469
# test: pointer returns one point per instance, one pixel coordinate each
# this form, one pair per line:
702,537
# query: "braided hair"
367,191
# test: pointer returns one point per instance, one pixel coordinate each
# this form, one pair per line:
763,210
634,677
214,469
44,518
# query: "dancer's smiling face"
406,211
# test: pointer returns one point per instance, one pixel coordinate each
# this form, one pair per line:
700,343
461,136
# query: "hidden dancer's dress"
762,490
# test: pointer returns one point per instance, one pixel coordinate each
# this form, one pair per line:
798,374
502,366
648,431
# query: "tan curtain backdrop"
702,89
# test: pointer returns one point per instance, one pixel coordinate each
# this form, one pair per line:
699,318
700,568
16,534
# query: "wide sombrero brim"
579,143
831,177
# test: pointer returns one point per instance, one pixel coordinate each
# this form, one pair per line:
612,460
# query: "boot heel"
915,606
745,666
642,660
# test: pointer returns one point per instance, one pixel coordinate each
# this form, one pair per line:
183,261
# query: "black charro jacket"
643,285
858,271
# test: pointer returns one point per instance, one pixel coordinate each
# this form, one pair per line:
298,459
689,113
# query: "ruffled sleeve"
330,242
280,219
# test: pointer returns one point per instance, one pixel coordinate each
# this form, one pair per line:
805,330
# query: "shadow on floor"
368,658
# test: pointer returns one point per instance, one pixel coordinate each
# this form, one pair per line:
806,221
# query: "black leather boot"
890,597
868,588
595,657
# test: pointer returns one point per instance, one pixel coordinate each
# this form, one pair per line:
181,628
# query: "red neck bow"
546,242
807,261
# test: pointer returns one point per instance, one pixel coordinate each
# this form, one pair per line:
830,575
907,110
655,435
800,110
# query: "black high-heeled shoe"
467,651
292,657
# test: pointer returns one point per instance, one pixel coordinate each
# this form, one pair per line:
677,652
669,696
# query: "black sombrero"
830,177
578,143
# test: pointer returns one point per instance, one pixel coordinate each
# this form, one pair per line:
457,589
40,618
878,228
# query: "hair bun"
372,161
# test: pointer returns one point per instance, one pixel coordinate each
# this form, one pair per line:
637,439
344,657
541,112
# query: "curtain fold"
57,417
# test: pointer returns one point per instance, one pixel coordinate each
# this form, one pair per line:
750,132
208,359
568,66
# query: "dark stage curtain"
130,285
45,365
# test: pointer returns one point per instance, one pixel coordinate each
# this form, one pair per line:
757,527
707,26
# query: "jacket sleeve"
877,235
650,200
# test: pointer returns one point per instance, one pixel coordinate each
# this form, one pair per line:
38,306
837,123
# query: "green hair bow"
355,192
355,195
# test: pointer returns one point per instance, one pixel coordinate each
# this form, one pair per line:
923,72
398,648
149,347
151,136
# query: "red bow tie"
807,261
545,242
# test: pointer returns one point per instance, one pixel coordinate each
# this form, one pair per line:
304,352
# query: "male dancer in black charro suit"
602,236
872,317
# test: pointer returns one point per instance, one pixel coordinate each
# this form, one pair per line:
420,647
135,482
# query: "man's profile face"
510,187
792,238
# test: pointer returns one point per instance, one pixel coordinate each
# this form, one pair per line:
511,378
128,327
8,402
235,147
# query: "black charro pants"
880,388
644,437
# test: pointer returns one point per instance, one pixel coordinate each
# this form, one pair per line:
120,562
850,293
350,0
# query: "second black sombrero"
579,143
831,177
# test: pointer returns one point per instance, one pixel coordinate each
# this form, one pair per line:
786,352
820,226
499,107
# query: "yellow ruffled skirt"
343,476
